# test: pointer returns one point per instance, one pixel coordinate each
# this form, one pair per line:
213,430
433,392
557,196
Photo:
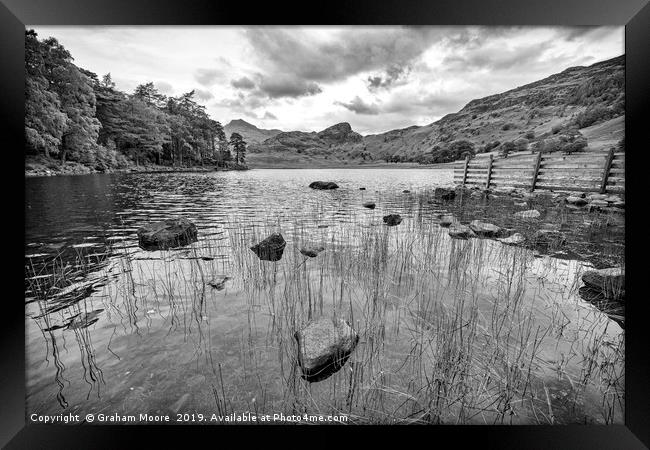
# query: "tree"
239,147
107,81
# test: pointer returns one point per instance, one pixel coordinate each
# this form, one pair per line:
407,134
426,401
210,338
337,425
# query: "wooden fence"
602,172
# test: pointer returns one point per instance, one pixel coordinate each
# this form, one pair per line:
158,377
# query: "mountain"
549,113
248,131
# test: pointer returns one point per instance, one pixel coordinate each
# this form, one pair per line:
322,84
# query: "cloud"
203,95
358,106
164,87
283,86
349,51
394,75
269,116
243,83
206,77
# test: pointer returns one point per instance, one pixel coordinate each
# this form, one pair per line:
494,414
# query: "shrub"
507,126
530,134
591,116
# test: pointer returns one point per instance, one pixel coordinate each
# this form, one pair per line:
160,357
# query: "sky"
377,78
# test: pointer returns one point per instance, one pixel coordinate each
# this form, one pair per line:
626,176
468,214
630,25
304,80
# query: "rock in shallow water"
446,221
324,346
271,248
515,239
311,252
484,229
611,282
369,205
166,234
392,219
530,214
459,231
324,185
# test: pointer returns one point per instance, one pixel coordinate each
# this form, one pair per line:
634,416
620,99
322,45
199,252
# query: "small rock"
598,203
446,221
324,185
459,231
271,248
369,205
619,204
362,189
311,252
484,229
578,201
324,346
218,285
612,199
167,234
529,214
445,193
592,197
521,204
515,239
323,226
406,191
392,219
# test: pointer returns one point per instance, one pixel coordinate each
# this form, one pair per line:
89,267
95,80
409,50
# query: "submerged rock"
484,229
610,282
166,234
311,252
548,238
392,219
271,248
324,346
218,285
515,239
445,193
575,200
459,231
529,214
446,221
323,185
369,205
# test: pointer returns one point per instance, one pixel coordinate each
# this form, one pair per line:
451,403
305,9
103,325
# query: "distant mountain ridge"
576,97
248,131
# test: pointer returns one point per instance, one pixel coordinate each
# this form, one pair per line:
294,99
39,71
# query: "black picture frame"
634,14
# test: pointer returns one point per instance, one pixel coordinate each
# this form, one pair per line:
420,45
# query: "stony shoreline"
39,170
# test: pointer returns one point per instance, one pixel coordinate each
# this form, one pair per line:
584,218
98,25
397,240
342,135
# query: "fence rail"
602,172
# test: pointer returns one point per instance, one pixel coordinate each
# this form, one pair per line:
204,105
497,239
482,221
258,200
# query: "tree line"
73,115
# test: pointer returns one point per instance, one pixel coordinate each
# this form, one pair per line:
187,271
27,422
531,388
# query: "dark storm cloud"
243,83
351,51
358,106
207,77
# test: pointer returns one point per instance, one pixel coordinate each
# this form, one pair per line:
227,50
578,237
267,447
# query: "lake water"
451,331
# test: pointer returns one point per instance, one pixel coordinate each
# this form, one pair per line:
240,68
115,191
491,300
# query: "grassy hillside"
576,105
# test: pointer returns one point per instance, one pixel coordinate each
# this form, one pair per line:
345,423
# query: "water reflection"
209,327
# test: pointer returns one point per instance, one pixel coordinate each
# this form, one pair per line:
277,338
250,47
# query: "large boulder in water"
392,219
324,346
484,229
324,185
271,248
166,234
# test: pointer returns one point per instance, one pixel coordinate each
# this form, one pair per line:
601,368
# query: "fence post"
489,173
465,173
608,166
537,164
